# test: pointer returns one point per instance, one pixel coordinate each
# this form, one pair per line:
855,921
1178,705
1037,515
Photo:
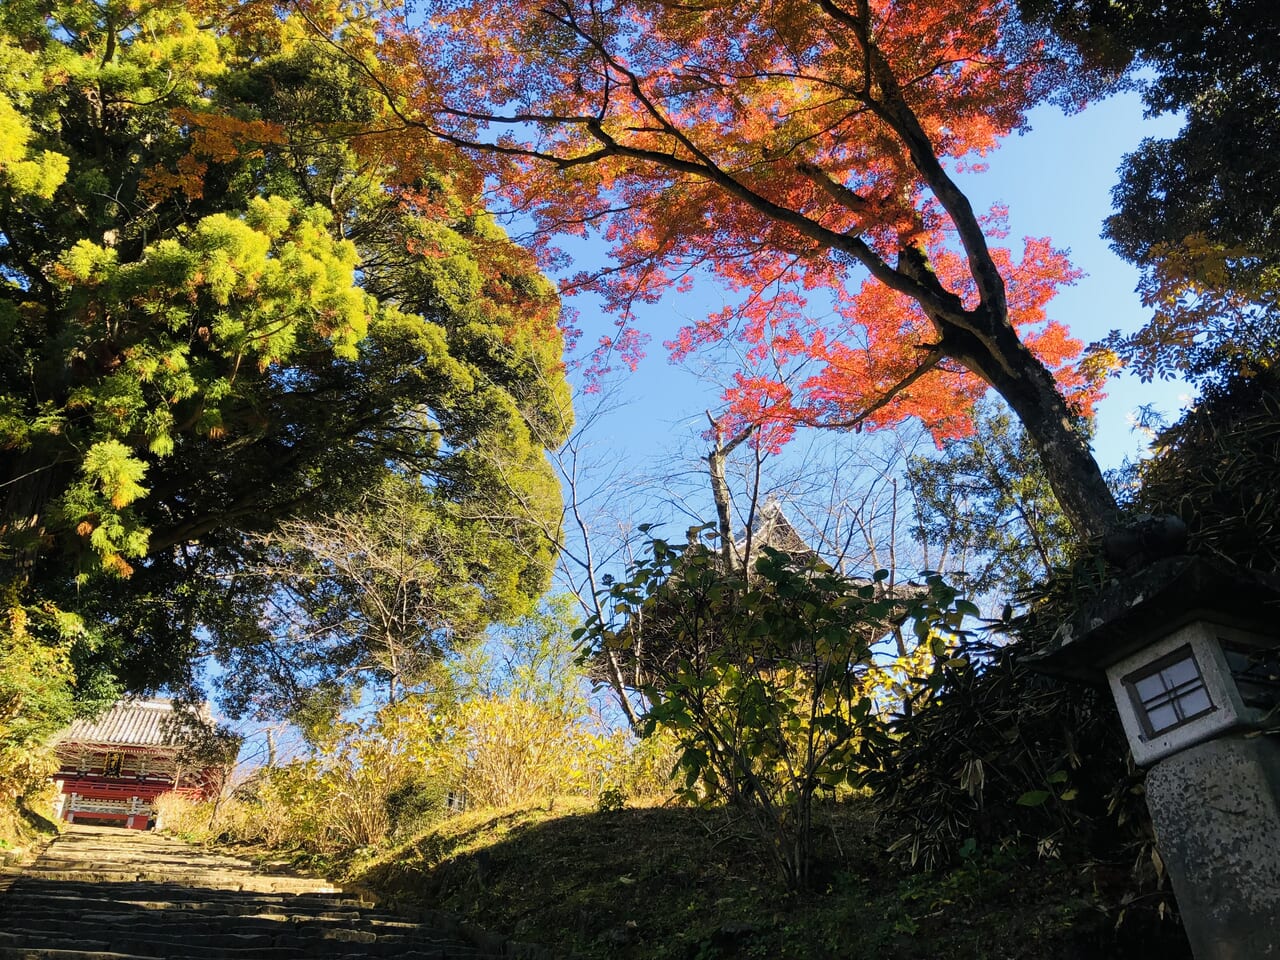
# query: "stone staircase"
98,893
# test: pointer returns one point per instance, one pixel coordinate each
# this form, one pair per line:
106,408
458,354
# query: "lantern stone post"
1190,648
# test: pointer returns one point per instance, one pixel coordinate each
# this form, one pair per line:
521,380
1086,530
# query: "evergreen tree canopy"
226,300
1199,211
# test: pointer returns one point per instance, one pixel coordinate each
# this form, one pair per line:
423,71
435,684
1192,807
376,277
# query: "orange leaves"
762,401
820,350
221,138
116,565
795,150
159,183
214,138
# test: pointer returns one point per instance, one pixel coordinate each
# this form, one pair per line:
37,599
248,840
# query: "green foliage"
228,301
1214,314
996,753
38,695
351,790
1216,469
523,729
1217,176
509,750
611,798
986,506
1199,211
531,658
369,601
1214,62
504,721
36,687
204,745
673,883
643,767
763,679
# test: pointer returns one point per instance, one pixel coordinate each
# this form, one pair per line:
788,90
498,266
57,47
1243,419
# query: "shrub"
999,752
510,750
180,815
767,680
995,752
610,799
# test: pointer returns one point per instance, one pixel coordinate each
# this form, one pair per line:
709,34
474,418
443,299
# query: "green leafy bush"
1001,754
610,799
997,753
763,678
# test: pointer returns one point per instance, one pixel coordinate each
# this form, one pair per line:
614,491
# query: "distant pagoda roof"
129,723
772,529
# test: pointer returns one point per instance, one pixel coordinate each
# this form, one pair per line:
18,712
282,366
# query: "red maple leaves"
800,152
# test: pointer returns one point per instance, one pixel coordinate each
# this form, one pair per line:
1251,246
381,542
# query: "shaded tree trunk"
1029,389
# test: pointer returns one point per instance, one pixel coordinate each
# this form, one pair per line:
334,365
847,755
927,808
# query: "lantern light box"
1194,684
1190,648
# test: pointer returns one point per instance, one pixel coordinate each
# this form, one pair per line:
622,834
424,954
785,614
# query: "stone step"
32,945
15,937
50,953
195,880
98,894
140,890
165,927
227,949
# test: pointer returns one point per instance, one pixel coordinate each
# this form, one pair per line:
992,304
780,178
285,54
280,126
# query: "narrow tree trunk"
985,342
620,688
720,494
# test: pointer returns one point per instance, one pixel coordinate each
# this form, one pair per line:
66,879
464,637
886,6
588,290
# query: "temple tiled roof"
127,723
773,529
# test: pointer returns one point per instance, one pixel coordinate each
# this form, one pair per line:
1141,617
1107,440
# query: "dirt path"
99,893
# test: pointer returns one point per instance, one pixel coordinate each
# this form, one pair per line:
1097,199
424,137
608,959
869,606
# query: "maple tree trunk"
1006,363
1072,472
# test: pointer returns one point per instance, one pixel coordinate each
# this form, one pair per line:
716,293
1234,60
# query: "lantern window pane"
1162,718
1169,692
1149,687
1196,701
1181,672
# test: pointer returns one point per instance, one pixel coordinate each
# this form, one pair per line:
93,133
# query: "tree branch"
935,356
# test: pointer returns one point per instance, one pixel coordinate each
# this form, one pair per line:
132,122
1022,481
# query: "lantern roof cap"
1151,603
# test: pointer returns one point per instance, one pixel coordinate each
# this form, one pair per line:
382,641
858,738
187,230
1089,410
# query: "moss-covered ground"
658,883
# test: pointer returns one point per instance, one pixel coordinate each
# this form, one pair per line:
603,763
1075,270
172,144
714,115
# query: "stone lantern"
1190,649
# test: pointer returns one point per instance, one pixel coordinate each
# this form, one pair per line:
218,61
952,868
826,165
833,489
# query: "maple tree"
807,153
224,304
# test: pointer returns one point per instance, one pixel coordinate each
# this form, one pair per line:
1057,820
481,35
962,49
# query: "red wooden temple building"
114,766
